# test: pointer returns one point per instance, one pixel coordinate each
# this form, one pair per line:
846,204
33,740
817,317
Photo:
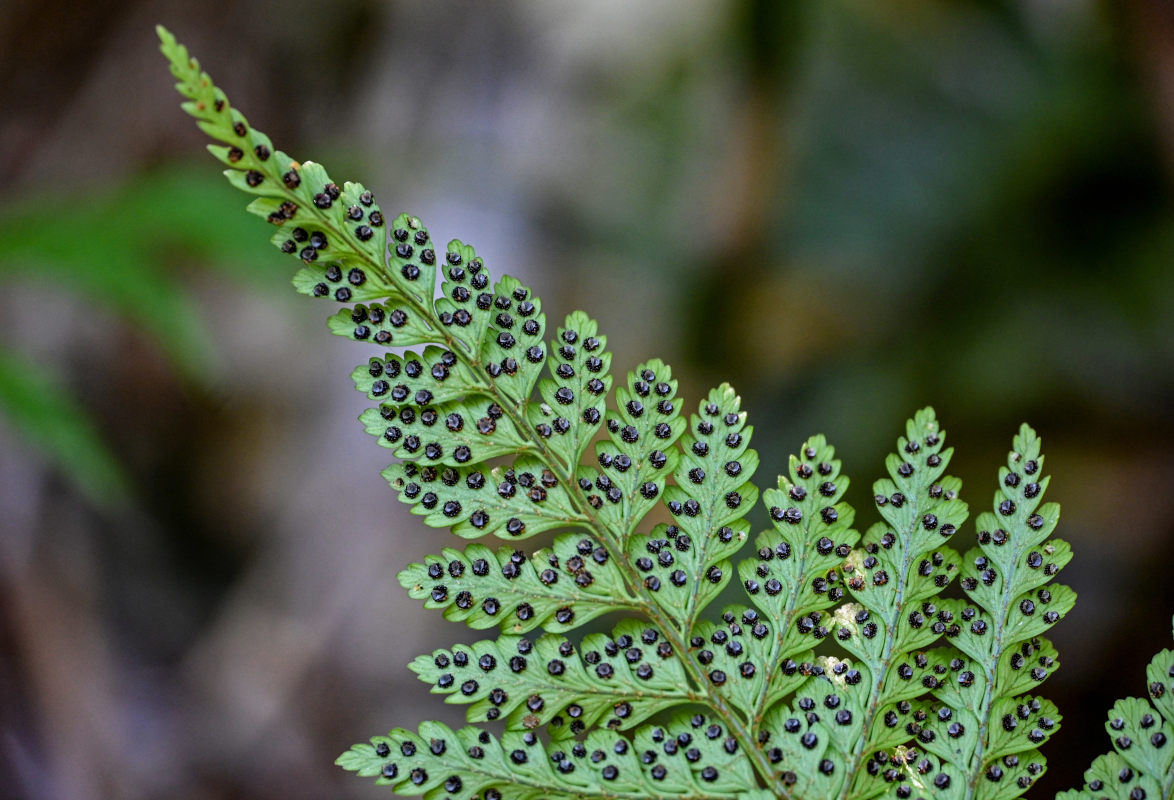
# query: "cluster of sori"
856,665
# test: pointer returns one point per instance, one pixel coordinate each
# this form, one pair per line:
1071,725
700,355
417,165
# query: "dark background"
849,209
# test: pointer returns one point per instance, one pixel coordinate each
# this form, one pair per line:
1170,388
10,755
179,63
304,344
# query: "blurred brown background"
848,208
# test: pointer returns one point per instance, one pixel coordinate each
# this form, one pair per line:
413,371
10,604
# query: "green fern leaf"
514,503
515,360
434,375
460,432
614,681
379,323
1111,776
694,759
684,563
732,652
795,572
561,588
639,455
894,578
574,396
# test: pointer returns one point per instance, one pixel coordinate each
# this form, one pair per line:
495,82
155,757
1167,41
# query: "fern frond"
513,502
685,563
576,391
434,375
491,424
638,455
794,577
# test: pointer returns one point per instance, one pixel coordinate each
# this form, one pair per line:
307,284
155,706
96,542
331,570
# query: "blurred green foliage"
53,421
130,254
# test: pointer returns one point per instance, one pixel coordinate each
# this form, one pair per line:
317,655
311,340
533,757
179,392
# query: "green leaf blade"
577,387
558,589
513,351
894,578
457,433
517,502
614,680
518,764
995,634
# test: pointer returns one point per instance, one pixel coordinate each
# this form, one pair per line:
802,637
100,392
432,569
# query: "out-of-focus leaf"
48,418
123,249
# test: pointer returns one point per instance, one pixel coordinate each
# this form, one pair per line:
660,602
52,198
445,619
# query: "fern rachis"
492,423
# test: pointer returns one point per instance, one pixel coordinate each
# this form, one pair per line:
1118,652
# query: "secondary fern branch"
794,577
904,564
983,726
